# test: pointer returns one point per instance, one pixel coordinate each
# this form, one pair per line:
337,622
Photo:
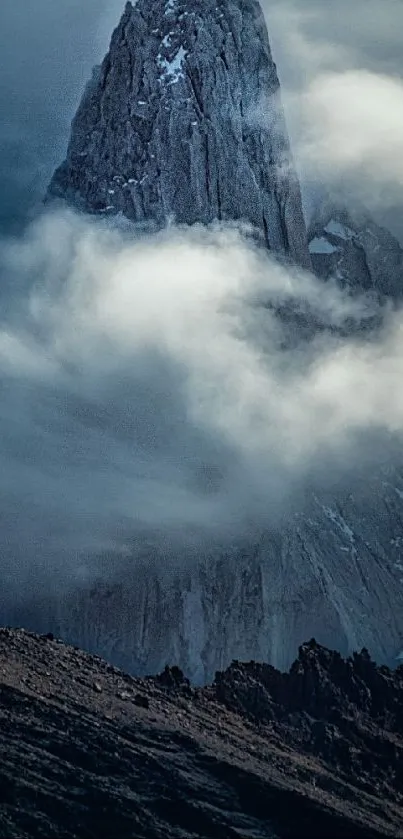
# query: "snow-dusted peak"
165,129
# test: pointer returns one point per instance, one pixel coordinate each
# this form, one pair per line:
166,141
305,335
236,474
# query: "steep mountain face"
183,122
351,247
333,568
170,127
314,752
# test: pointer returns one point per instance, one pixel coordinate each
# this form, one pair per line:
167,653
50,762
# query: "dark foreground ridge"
87,751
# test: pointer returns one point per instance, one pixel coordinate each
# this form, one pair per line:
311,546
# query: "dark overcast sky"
48,49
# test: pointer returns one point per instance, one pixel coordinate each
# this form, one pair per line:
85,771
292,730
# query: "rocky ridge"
87,750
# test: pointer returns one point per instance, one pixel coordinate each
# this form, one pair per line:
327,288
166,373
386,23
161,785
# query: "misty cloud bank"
341,69
151,391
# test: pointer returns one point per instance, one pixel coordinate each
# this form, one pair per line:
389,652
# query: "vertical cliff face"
334,569
183,122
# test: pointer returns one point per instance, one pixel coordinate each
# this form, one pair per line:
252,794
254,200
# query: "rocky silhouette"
88,751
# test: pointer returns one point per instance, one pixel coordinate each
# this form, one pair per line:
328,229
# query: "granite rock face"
170,127
332,568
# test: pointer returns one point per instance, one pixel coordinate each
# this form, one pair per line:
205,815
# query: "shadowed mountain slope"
87,751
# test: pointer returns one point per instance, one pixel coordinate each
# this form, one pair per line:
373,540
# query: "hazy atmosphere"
137,391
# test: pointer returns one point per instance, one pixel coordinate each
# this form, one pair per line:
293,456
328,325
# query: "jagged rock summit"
183,122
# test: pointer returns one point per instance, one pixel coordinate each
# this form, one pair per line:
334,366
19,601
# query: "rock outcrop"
349,246
183,122
86,750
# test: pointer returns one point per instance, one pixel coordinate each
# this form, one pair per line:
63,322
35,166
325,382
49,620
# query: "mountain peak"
184,121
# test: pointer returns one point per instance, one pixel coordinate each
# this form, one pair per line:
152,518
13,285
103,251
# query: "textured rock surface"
333,569
170,126
359,253
88,751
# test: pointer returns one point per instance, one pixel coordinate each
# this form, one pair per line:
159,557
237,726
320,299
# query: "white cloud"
353,124
150,387
143,388
341,70
190,296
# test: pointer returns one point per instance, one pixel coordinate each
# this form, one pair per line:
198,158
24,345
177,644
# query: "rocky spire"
183,121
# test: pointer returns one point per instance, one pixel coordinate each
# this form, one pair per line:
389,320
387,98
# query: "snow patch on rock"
321,245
